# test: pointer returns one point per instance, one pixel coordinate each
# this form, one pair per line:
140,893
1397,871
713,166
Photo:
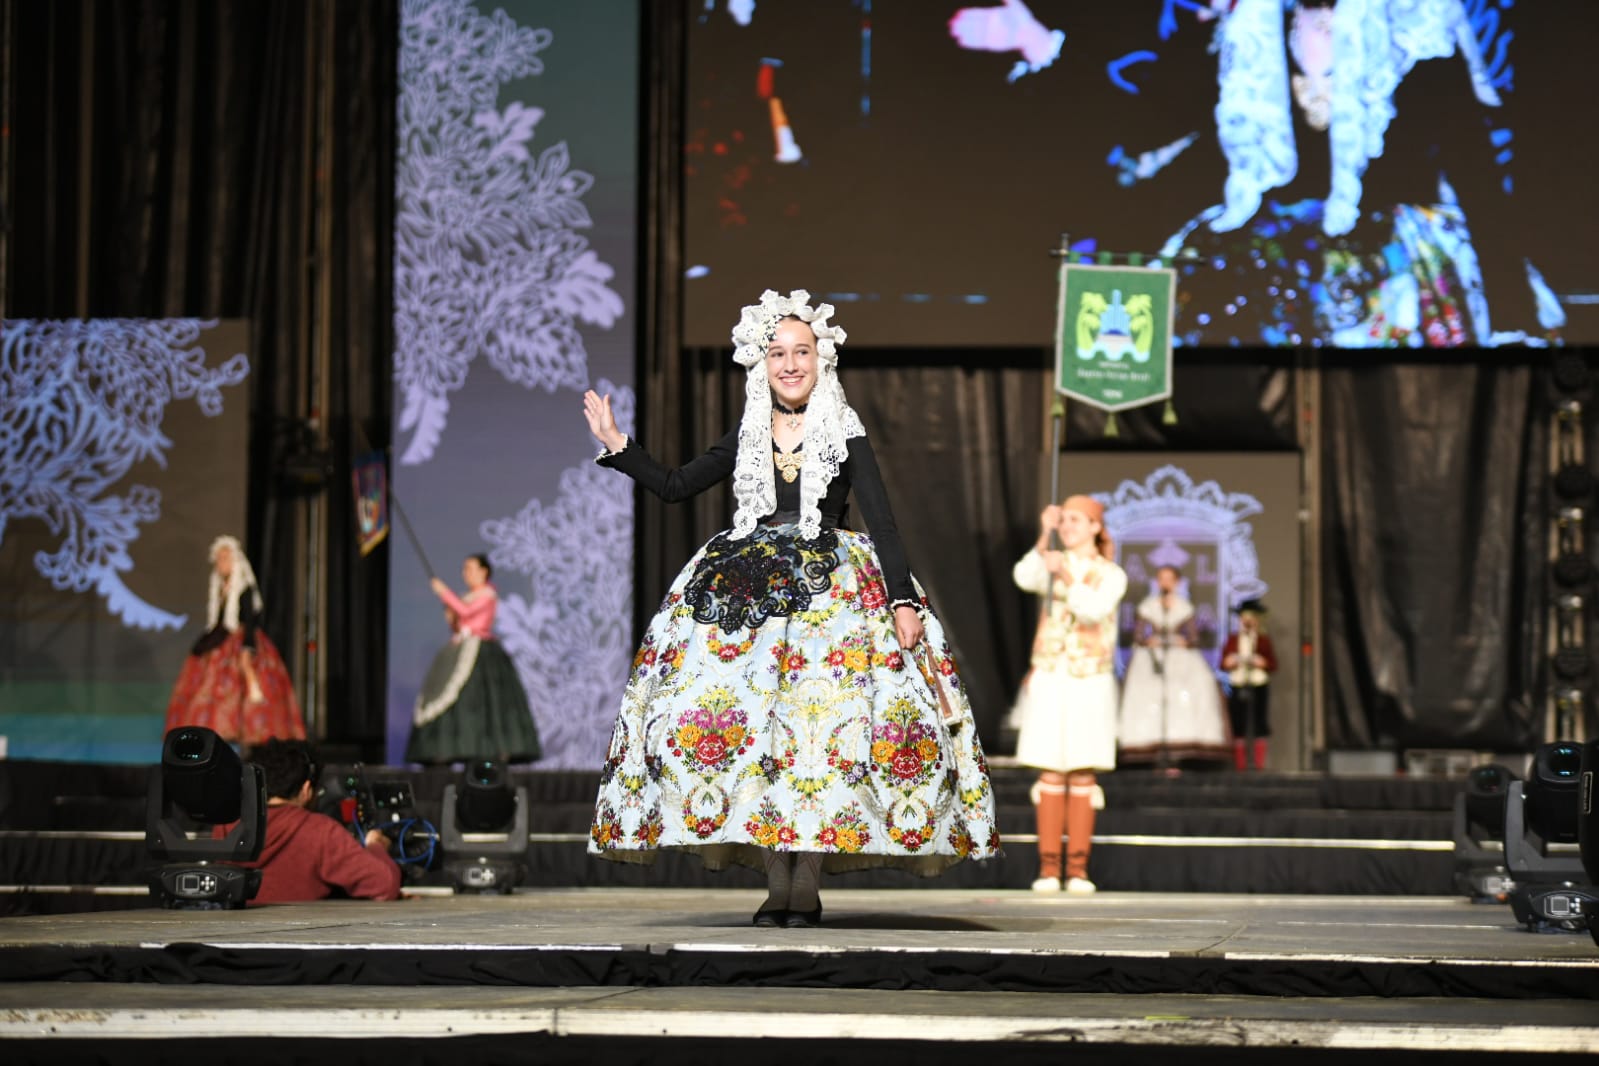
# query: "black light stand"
201,779
485,830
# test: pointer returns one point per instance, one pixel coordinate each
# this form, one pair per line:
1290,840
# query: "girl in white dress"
1171,703
1068,701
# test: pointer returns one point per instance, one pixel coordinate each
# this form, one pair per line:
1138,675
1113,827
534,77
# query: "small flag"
371,482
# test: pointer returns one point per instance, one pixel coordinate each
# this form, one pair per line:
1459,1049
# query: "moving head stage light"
1479,825
201,781
485,829
1552,891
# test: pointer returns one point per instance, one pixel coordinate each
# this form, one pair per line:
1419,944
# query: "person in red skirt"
234,681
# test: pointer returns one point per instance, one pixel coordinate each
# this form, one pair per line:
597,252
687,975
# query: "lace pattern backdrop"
122,445
513,248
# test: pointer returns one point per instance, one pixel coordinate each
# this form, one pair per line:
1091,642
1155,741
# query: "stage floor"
1402,973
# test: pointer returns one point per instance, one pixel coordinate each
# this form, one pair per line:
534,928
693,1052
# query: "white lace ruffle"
829,420
243,577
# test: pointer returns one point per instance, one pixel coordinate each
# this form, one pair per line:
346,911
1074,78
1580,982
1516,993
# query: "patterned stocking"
806,894
779,880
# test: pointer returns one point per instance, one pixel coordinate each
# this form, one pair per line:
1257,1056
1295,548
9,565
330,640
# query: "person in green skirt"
472,704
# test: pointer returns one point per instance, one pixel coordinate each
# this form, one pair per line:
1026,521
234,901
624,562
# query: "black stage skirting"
1205,831
945,971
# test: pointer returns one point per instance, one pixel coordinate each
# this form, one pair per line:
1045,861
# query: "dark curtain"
232,159
1435,526
1222,401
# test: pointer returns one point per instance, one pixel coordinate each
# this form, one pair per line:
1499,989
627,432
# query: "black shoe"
770,919
803,919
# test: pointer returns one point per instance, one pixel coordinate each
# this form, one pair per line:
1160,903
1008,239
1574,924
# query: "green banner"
1113,334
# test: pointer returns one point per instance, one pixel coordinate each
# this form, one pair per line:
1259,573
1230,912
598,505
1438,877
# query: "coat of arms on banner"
1113,334
1202,530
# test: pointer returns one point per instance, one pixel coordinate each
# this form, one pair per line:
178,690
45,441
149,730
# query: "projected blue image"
514,242
1340,173
82,402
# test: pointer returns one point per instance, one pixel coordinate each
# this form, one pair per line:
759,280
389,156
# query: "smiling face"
473,574
224,562
1078,529
791,362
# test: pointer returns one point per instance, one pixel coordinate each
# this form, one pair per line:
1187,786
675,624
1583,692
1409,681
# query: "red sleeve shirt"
309,856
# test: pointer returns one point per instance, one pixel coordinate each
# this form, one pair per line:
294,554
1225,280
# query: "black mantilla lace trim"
770,573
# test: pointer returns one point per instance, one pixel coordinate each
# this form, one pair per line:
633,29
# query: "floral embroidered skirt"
472,706
770,708
211,692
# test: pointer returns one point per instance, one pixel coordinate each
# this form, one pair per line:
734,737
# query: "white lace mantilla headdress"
224,603
829,420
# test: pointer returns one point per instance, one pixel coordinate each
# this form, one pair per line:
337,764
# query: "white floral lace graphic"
81,401
487,255
571,637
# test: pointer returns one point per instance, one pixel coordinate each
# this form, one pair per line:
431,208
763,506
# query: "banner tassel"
1110,425
1170,416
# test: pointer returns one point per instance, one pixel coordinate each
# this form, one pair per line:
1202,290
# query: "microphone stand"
1163,759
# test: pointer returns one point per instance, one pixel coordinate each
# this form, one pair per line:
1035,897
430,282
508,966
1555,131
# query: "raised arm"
866,481
681,483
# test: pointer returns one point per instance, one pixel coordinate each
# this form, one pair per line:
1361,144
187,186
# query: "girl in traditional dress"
1068,702
234,682
472,704
1171,703
794,706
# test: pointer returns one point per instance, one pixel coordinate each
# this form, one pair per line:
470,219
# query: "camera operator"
309,856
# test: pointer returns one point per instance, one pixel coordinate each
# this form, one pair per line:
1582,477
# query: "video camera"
389,805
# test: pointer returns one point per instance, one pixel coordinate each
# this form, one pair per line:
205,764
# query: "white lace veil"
829,420
1377,43
223,603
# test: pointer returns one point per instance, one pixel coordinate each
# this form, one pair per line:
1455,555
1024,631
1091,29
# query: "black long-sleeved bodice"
858,472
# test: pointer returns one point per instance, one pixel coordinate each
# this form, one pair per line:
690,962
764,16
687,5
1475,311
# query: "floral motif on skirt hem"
811,731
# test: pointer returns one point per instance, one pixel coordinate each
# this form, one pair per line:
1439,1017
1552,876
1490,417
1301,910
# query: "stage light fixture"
201,783
1480,872
1568,709
1570,372
1573,481
1552,890
485,829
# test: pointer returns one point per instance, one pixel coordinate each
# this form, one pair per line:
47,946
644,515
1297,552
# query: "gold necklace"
789,464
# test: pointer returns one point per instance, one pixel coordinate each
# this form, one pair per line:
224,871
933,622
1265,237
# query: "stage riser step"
60,796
